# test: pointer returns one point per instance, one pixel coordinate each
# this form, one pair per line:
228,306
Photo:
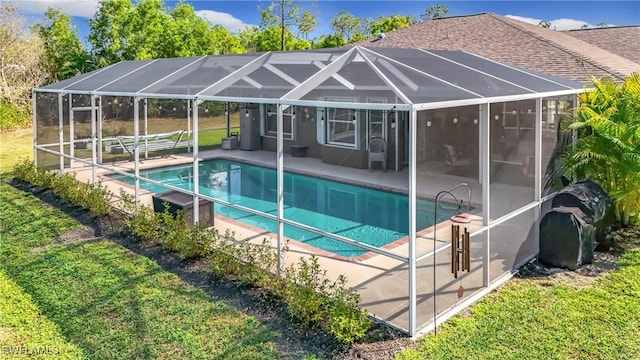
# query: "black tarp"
594,203
579,219
567,239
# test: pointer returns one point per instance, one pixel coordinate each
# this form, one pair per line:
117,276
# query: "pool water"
363,214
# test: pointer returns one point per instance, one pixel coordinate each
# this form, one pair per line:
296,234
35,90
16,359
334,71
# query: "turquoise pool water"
367,215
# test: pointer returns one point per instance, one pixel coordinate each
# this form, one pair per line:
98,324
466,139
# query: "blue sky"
237,14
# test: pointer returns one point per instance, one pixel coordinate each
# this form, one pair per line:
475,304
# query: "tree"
434,12
222,42
584,26
21,68
348,27
269,39
285,15
148,24
187,34
383,24
330,41
602,25
149,30
545,24
109,31
65,56
248,38
307,24
608,147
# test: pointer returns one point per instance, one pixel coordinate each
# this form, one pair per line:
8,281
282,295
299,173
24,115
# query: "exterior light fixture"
514,112
455,120
497,117
428,123
475,121
246,113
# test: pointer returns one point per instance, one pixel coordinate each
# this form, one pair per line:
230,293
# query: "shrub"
306,291
93,197
347,323
25,171
13,117
608,147
195,243
311,298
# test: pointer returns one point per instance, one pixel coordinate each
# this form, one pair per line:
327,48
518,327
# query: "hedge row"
311,298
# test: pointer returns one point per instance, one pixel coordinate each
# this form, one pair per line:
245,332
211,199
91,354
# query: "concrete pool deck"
382,282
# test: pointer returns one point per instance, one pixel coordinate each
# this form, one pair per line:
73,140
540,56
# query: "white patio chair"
378,152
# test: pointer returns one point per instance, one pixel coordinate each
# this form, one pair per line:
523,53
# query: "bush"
311,298
93,197
608,147
12,117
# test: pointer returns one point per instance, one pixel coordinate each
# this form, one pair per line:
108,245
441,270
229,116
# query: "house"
576,55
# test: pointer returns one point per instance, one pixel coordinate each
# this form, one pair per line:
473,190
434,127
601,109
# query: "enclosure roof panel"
110,74
403,76
148,75
198,76
536,81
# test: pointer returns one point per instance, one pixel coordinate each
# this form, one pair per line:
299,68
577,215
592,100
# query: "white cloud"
79,8
228,21
557,24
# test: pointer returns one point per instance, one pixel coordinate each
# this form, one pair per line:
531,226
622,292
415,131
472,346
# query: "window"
271,122
342,127
376,121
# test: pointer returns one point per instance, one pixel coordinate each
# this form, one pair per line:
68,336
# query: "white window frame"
385,118
287,115
330,113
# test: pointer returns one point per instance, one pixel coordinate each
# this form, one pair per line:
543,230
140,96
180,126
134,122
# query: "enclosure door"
82,128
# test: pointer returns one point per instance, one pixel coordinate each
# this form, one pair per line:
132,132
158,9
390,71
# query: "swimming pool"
367,215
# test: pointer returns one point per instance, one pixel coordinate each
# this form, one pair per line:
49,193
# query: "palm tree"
608,147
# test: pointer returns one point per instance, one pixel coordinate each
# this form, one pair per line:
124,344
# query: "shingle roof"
514,42
621,40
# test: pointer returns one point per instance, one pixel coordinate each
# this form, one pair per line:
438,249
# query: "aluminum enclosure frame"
296,97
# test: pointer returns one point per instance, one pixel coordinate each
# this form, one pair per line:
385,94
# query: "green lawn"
544,319
97,300
24,330
14,146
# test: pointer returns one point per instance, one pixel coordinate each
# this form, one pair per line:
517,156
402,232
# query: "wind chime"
460,248
460,258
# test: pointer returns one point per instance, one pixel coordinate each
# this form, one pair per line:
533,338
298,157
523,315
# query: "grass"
541,319
14,146
24,329
103,302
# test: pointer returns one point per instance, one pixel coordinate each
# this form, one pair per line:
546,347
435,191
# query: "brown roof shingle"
621,40
513,42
